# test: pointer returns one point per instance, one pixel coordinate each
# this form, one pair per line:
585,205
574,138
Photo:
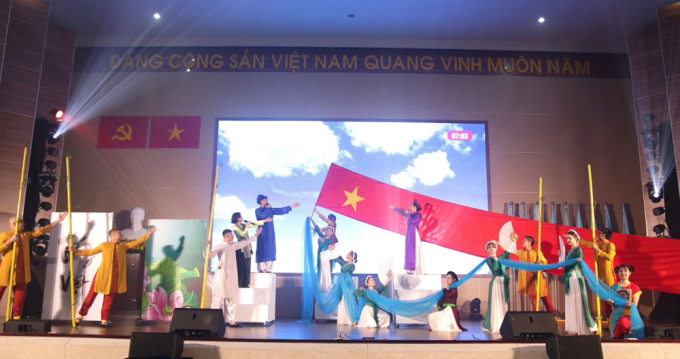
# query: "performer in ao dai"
414,262
327,251
578,320
225,282
526,282
499,296
371,316
620,324
347,268
447,318
266,242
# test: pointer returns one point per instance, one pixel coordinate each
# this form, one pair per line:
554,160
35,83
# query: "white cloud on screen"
401,138
296,194
279,148
430,169
225,206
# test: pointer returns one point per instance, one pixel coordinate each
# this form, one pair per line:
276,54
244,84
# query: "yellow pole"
207,245
540,220
14,247
592,220
70,240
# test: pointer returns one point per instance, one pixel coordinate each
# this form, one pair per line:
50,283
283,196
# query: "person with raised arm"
111,277
371,316
499,296
266,241
244,255
22,260
413,260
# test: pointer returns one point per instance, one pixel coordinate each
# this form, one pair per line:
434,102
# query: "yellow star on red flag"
353,198
175,133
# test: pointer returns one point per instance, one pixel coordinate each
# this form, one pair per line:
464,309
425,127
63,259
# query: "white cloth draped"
325,277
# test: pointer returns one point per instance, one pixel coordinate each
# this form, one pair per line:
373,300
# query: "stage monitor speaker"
662,331
574,347
32,326
191,322
156,345
528,325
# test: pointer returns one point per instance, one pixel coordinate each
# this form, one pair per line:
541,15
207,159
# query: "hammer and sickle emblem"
125,131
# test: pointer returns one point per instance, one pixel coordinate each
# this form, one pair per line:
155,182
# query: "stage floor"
288,330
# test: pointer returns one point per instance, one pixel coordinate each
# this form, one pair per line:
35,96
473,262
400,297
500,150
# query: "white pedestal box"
257,304
319,315
409,287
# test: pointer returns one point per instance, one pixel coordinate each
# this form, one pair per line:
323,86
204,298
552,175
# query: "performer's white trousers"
498,305
265,267
228,306
574,311
443,321
368,321
325,276
343,314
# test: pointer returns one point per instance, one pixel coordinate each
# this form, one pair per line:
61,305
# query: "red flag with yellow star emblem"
467,230
175,132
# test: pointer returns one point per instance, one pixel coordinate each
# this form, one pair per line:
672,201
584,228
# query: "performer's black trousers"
243,266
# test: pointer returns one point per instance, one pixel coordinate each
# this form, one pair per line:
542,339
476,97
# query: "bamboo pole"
540,222
592,225
208,244
14,247
70,241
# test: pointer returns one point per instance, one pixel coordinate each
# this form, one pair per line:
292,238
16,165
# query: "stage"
290,339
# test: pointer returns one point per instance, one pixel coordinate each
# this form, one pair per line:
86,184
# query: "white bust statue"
137,230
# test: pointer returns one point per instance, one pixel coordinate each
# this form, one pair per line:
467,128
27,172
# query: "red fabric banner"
175,132
467,230
123,131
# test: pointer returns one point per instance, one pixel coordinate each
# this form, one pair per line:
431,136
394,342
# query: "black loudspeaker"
528,325
574,347
33,326
191,322
662,331
156,345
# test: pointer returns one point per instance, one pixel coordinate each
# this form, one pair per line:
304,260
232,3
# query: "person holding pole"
225,283
605,252
527,281
111,277
22,258
7,246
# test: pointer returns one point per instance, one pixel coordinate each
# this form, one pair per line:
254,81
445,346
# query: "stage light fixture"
52,140
651,156
648,118
46,178
157,16
50,165
59,115
46,191
45,206
658,211
39,248
52,151
653,170
541,20
659,229
44,222
655,195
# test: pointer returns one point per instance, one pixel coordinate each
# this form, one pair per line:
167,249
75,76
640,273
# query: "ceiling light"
157,16
541,20
188,70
